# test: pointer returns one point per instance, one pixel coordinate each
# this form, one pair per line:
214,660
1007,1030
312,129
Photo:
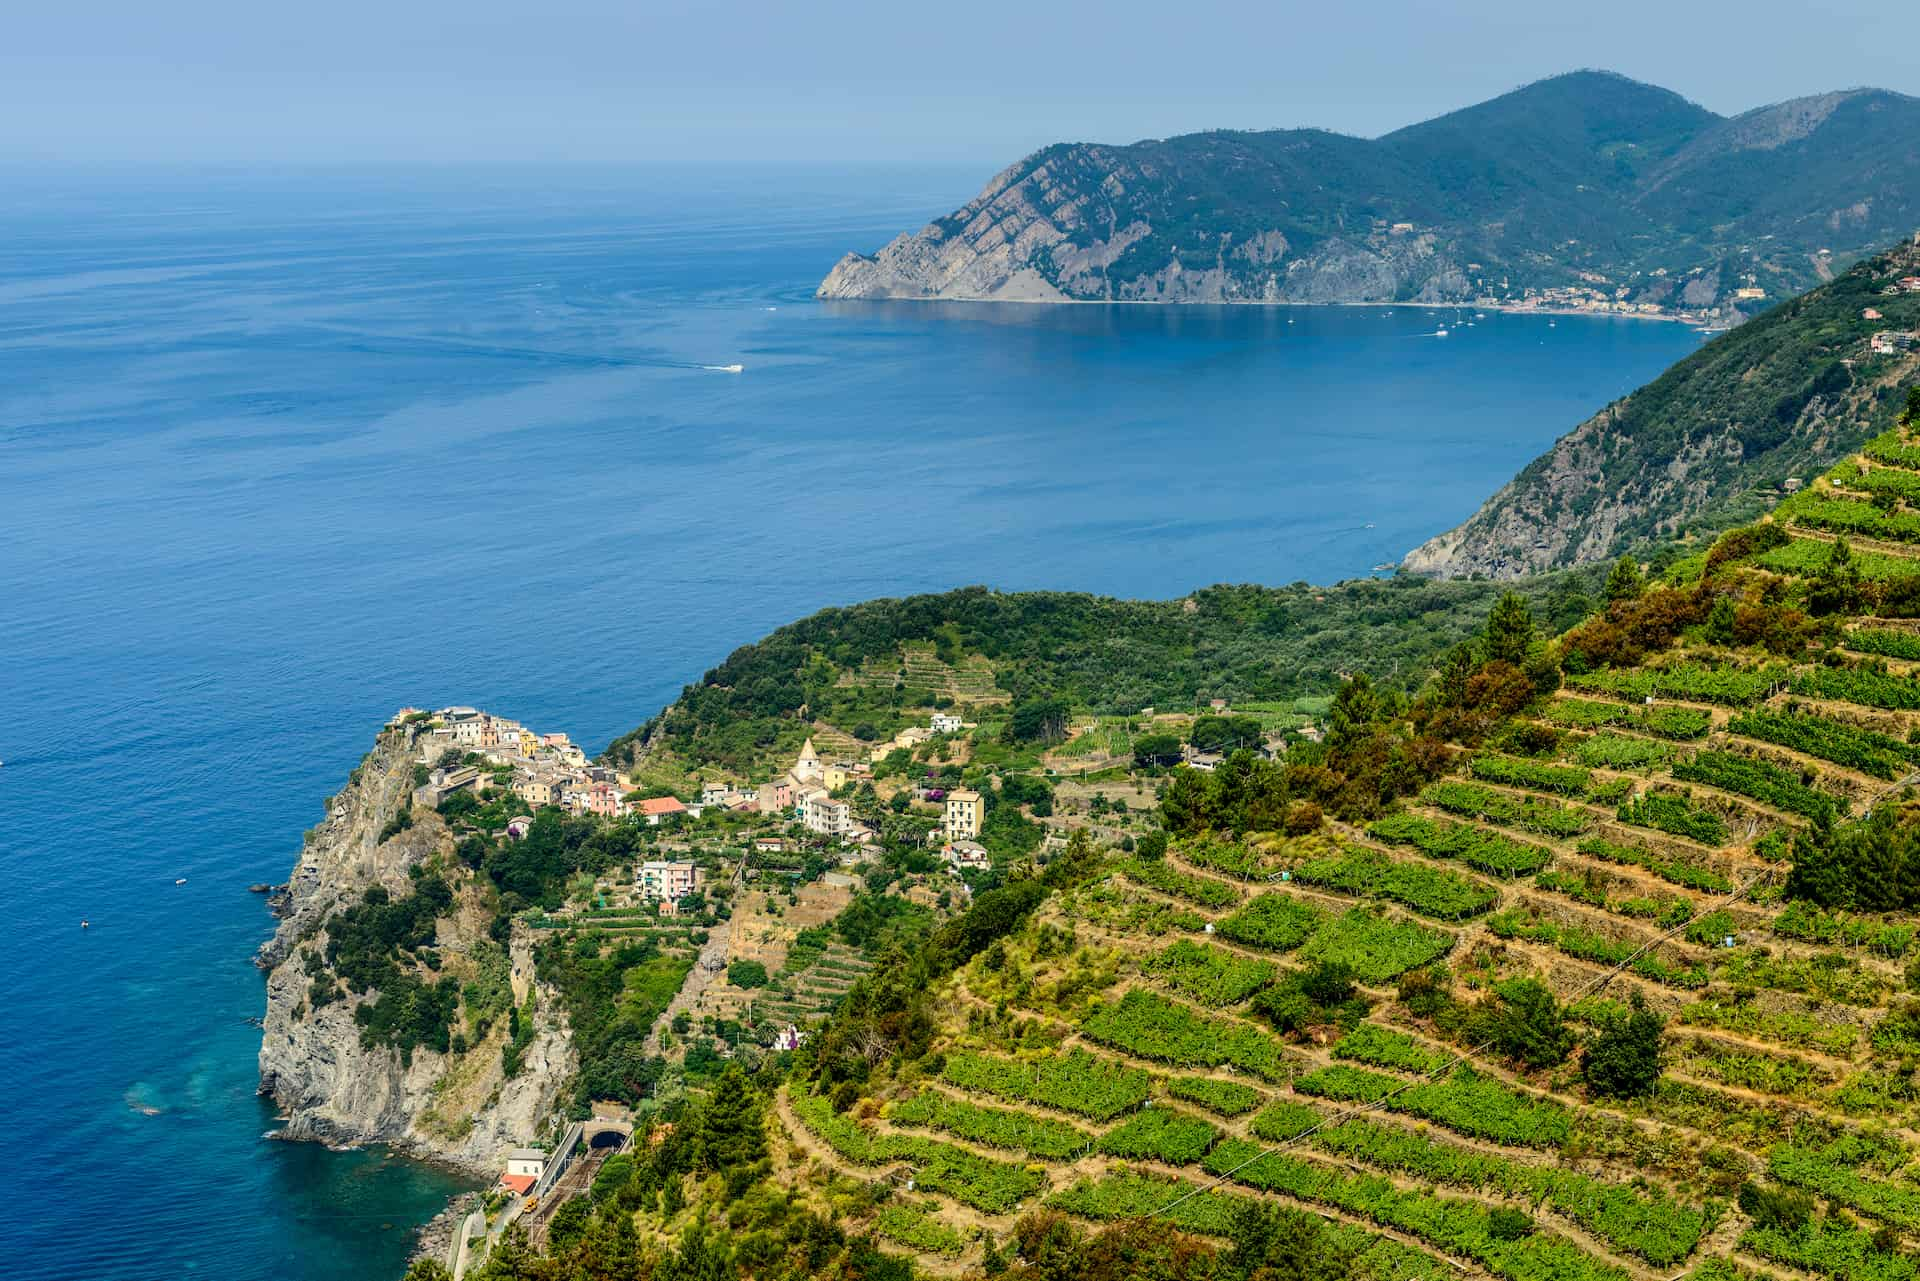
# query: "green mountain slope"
883,663
1587,181
1784,395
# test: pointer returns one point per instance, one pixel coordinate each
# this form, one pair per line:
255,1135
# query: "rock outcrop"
459,1108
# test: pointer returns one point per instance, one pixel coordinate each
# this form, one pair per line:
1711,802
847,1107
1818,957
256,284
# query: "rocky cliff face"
1563,510
1786,394
1051,229
459,1108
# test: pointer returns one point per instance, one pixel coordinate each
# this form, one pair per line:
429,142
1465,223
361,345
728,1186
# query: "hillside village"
741,886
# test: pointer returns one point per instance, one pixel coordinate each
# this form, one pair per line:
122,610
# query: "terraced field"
1626,839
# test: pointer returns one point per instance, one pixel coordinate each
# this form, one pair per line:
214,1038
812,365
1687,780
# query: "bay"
281,453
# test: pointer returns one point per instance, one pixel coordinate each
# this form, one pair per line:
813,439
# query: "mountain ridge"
1616,194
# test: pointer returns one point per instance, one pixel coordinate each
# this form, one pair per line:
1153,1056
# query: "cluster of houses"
548,769
1889,342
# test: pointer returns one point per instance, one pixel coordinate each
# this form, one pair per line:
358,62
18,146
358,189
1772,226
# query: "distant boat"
1369,525
181,881
1440,332
724,369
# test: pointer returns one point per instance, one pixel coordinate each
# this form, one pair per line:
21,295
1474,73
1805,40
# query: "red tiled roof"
662,805
519,1182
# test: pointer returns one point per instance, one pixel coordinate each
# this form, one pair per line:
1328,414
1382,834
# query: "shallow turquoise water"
277,457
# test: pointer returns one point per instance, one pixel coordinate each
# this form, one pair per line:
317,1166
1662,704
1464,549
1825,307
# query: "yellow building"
963,815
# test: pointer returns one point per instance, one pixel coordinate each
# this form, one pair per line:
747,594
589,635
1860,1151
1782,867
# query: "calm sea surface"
279,456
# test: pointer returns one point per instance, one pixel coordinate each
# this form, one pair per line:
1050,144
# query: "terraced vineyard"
1155,1042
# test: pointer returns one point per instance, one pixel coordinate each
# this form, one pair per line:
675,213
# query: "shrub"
748,974
1781,1208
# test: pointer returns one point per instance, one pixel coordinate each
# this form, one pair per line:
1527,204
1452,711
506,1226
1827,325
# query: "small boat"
1440,332
181,881
1369,525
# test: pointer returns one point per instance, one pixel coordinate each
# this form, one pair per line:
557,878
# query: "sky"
104,83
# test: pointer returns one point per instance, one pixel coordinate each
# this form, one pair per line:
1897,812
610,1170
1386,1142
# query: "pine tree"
1351,719
1835,588
1624,581
1510,630
1819,873
1624,1061
732,1131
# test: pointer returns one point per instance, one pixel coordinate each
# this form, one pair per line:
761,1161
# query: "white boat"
1440,332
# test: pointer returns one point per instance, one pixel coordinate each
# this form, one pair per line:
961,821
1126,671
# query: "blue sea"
281,453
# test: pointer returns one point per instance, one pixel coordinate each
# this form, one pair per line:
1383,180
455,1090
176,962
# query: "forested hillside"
1587,182
1784,395
847,666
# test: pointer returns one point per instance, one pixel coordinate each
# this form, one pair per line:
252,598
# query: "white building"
822,814
946,723
967,856
524,1168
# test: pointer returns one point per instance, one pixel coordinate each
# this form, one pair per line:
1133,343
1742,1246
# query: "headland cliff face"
337,1085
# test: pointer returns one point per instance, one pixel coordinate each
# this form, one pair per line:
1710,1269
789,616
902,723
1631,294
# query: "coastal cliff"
320,1059
1586,191
1047,230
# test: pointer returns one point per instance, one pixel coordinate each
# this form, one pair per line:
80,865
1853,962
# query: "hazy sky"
977,82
